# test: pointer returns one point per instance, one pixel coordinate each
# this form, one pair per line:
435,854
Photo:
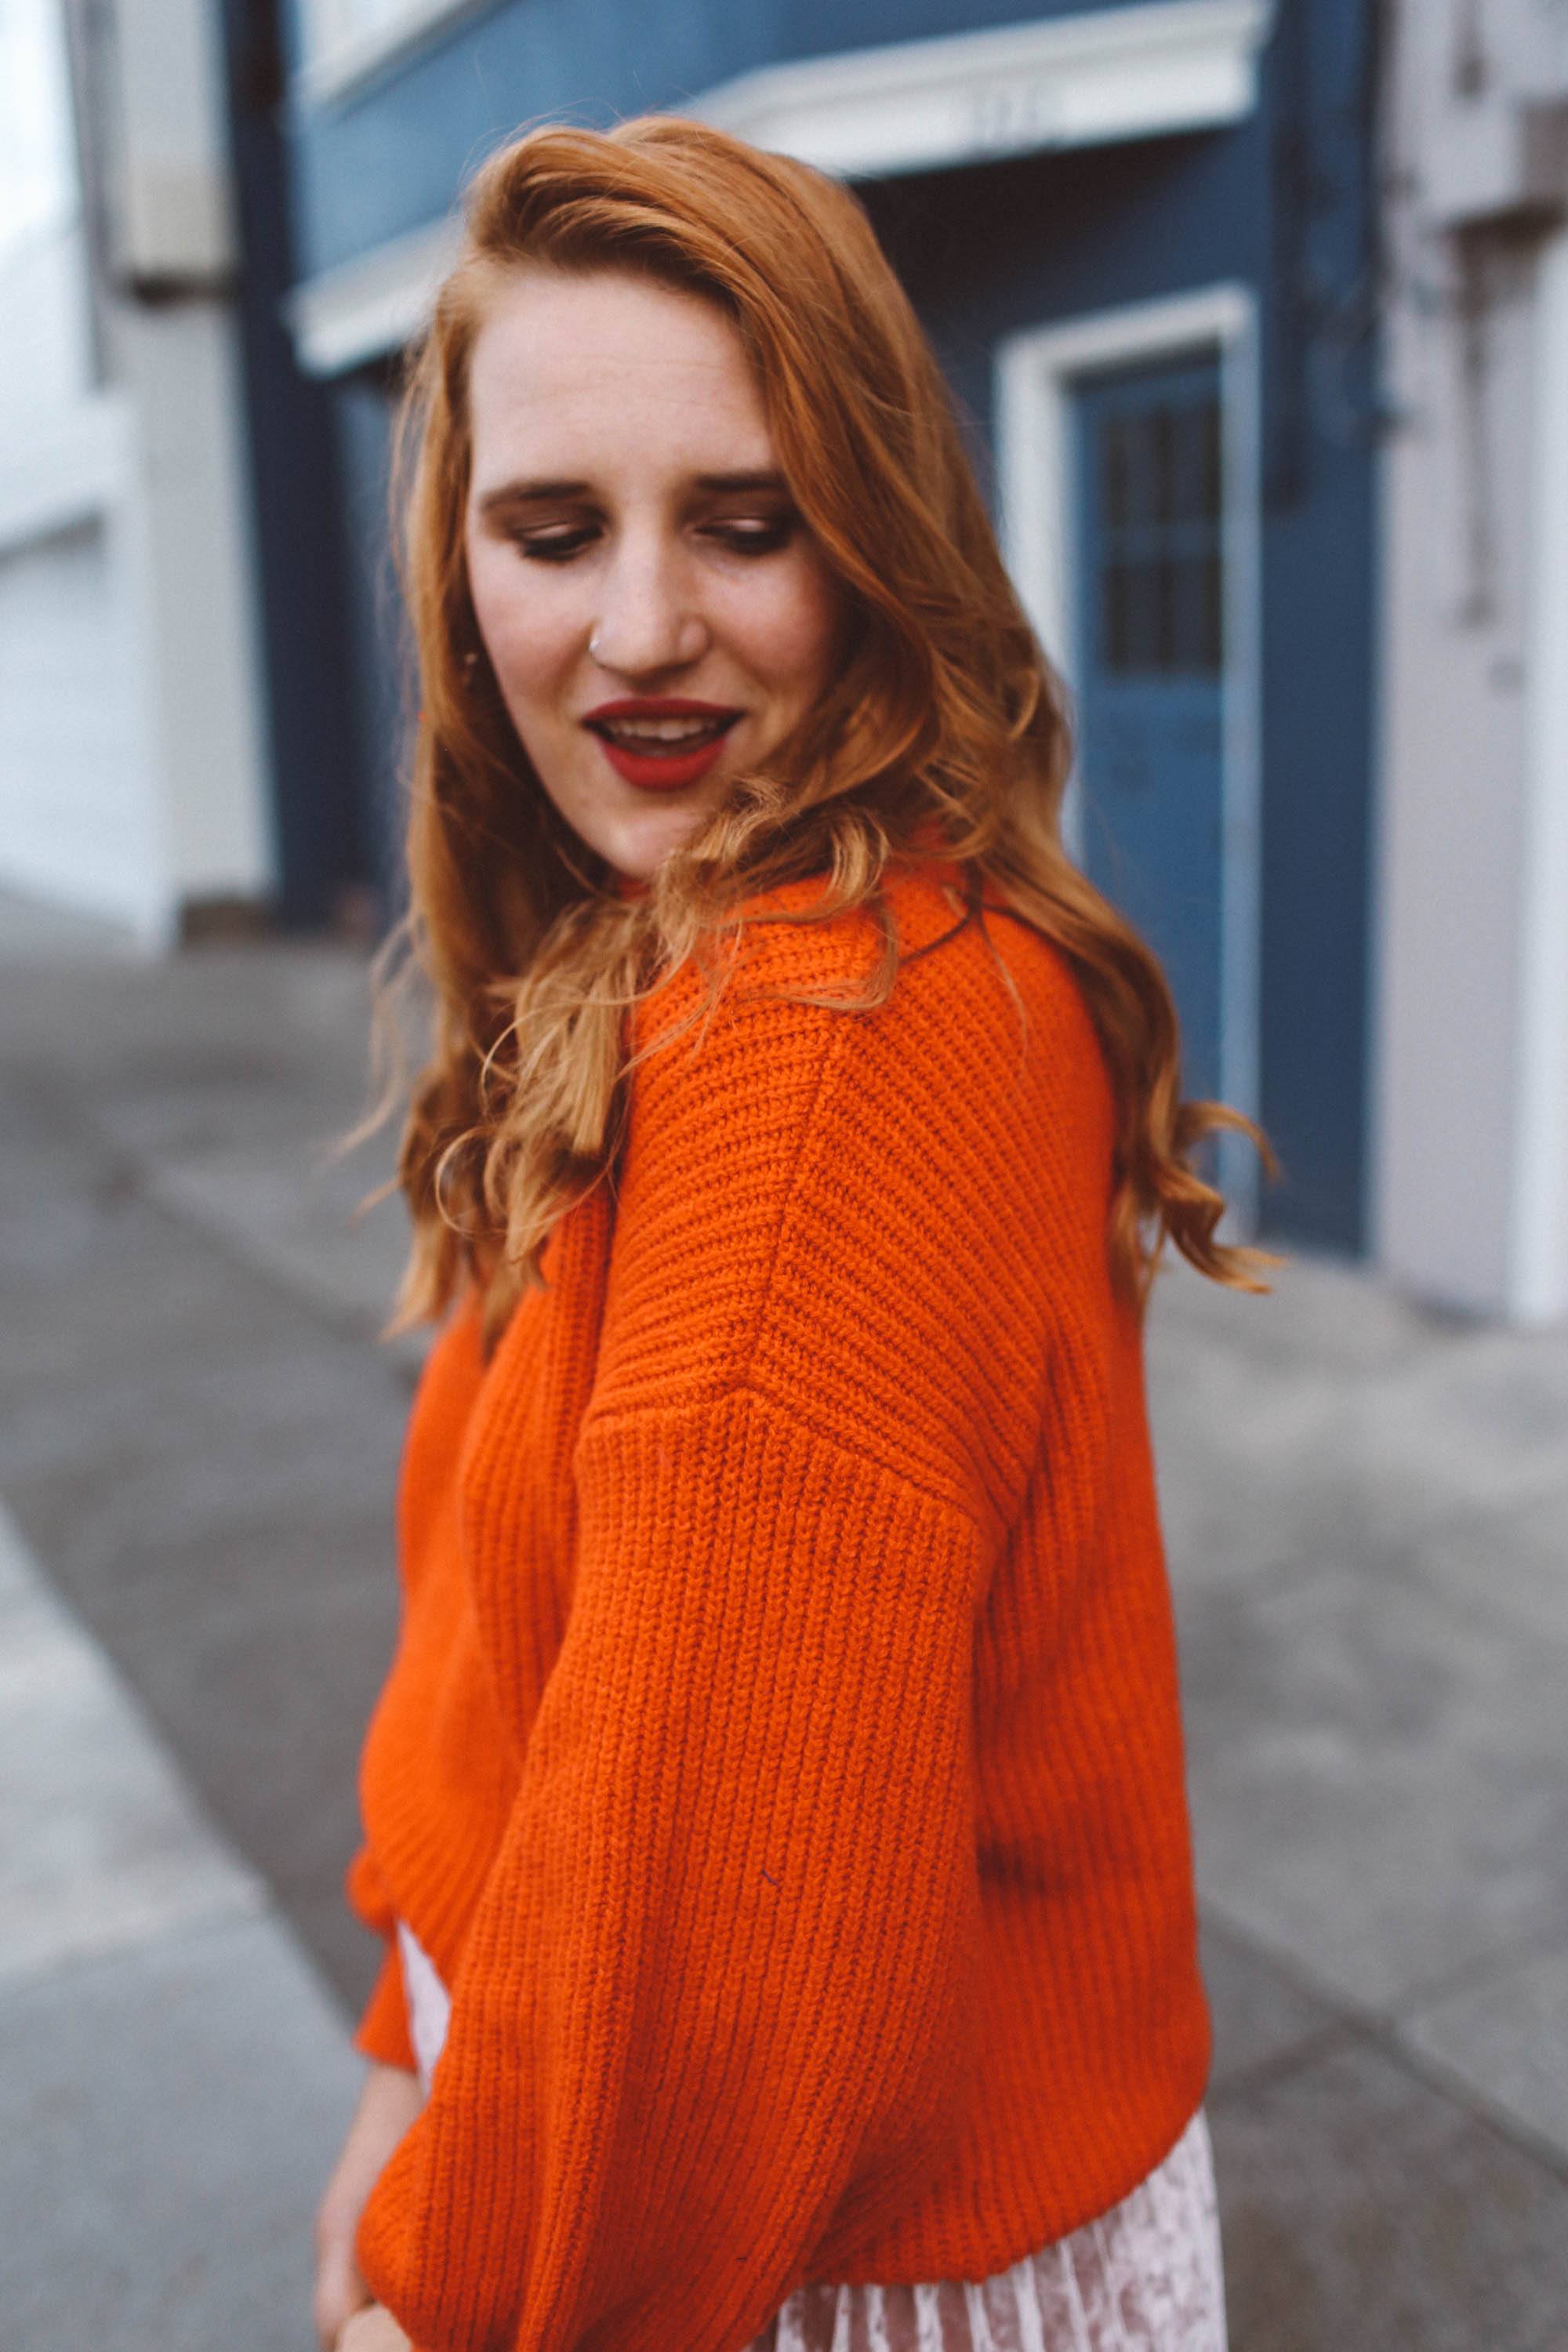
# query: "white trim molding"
375,303
968,97
1537,1266
1036,374
341,49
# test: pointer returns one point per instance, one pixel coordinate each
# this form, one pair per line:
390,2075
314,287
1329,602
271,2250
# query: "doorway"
1127,467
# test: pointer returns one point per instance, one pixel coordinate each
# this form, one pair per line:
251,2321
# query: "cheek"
793,631
529,634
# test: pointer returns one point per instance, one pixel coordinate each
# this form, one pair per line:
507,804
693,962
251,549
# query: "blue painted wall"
393,153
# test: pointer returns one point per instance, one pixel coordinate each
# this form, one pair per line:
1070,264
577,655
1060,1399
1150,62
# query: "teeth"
635,733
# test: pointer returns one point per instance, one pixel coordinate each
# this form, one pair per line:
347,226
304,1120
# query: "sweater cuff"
366,1891
382,2030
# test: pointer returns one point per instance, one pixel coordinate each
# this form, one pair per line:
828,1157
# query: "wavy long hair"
946,723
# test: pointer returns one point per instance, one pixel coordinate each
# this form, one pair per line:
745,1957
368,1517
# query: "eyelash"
739,540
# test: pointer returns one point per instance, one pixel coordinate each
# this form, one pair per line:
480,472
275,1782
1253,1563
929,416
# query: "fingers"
390,2100
372,2330
340,2291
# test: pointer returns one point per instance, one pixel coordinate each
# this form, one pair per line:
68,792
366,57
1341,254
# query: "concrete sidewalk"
1367,1511
174,2067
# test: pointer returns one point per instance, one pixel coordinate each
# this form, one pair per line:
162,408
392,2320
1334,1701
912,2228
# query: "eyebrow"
520,493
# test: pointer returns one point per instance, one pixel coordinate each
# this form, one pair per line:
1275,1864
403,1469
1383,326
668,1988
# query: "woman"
775,1811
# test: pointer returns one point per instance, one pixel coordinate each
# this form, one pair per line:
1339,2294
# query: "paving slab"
1321,1315
268,1701
1263,2018
1504,2039
1318,1425
1481,1427
1511,1558
1365,2210
168,2118
101,1846
304,1217
174,2076
1254,1403
1376,1778
35,931
204,1051
209,1468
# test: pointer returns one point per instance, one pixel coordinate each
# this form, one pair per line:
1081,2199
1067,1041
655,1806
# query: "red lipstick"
660,741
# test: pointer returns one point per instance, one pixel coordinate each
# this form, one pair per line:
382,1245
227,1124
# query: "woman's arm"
388,2104
718,1997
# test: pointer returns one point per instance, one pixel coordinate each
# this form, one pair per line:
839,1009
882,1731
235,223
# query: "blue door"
1150,600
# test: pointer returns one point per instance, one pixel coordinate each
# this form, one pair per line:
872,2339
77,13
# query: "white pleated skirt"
1145,2277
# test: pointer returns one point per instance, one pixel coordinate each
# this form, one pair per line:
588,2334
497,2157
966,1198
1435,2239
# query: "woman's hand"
388,2104
374,2329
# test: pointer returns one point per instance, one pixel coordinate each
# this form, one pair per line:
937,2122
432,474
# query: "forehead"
606,373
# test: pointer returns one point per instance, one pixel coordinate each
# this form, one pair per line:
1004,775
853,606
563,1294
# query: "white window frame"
338,54
1037,375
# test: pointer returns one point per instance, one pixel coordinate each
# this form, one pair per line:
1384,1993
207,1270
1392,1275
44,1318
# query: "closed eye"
746,535
761,537
553,546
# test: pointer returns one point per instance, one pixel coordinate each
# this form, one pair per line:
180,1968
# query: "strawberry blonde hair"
945,724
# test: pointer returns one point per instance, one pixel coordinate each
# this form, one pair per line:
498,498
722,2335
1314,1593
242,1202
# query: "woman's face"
657,615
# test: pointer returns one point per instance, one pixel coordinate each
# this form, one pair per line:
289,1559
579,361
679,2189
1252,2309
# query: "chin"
637,846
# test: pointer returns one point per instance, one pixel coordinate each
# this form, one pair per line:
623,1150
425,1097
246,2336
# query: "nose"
648,620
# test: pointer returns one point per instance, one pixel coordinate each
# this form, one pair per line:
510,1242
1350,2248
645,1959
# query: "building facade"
1257,312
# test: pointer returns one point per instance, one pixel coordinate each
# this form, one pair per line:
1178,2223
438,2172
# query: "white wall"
1538,1273
76,822
1452,814
48,325
1471,1057
189,573
134,769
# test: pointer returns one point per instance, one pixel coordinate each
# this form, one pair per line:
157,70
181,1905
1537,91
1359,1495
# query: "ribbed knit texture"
781,1762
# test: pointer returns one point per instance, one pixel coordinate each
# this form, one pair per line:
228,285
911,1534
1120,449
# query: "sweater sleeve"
716,2001
382,2029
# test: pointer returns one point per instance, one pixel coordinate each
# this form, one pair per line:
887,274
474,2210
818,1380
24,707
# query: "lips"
662,743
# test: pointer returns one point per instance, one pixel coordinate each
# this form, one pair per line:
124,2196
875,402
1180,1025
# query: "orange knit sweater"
780,1761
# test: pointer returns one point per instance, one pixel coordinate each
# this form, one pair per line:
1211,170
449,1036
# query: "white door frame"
1036,374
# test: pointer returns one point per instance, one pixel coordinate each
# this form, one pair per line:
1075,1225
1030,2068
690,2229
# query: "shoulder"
812,1200
981,1063
966,980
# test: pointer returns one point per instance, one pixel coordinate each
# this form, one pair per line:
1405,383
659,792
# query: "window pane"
1159,560
1115,459
1143,600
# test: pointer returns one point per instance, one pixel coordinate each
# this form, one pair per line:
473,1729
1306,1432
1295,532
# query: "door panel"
1150,599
